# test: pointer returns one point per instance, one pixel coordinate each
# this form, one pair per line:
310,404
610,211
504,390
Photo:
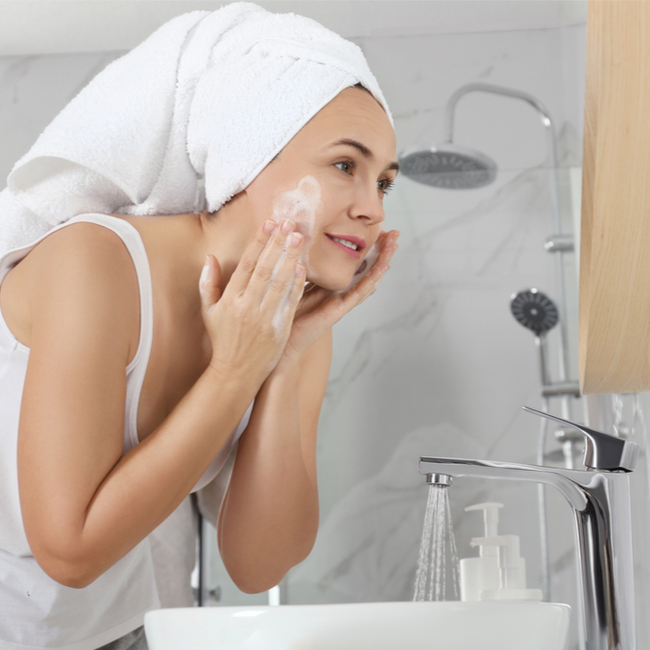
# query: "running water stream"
437,544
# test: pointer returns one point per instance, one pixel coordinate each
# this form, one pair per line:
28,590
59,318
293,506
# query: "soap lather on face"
299,205
302,206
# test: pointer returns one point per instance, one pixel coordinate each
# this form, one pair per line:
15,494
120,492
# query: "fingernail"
295,239
269,226
287,226
205,273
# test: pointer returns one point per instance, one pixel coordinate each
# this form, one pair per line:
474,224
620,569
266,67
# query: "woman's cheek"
303,205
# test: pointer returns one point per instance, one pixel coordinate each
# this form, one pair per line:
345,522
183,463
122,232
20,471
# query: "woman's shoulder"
80,245
82,256
81,240
82,273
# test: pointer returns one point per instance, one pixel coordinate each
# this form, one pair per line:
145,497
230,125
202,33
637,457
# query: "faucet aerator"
439,480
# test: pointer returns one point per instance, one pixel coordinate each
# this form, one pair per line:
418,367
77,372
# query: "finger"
298,287
242,274
388,246
381,251
209,284
285,311
297,292
275,269
365,287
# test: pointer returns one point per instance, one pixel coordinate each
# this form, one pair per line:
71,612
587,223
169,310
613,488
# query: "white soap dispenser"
481,573
512,570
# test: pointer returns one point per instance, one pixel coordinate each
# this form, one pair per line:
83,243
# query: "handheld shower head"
448,166
534,310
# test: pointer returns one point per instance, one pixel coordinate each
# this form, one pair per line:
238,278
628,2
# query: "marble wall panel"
33,89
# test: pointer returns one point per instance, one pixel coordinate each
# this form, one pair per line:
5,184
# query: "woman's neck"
177,246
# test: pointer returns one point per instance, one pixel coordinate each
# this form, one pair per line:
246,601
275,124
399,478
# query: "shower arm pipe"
507,92
550,133
517,94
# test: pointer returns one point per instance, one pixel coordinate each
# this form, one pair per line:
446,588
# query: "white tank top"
36,611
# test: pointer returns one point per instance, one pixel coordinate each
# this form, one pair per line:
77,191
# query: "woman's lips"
357,241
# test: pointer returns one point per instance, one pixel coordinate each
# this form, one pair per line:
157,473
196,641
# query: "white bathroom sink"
363,626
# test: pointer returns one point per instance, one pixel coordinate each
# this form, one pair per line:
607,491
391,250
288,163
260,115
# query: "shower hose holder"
600,499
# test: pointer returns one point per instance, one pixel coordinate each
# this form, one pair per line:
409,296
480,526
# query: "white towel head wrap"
182,122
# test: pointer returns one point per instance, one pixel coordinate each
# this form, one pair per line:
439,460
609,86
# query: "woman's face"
331,180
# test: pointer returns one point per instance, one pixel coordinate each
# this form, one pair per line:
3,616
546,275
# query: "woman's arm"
269,517
85,505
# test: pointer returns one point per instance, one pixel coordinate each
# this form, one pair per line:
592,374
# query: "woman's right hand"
250,323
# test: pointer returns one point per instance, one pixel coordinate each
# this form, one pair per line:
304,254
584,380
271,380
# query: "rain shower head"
534,310
456,167
448,166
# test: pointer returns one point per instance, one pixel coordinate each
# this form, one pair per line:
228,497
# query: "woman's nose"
368,205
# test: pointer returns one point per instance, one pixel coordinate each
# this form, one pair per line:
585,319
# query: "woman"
134,344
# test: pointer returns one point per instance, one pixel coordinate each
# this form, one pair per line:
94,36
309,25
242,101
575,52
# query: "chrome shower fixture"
534,310
538,313
603,451
601,504
448,166
453,167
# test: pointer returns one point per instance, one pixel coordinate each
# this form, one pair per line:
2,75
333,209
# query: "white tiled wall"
433,363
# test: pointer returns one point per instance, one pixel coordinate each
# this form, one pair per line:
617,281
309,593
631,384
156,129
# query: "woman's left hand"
320,309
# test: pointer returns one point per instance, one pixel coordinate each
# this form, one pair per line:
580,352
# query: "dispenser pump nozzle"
491,522
490,516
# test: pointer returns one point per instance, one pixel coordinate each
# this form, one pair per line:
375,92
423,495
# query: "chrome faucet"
600,498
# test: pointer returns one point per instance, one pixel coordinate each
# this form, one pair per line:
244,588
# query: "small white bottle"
499,573
481,573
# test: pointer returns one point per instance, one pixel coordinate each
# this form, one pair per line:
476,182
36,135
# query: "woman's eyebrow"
363,150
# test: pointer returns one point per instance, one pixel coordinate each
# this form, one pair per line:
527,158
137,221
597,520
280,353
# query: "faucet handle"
602,450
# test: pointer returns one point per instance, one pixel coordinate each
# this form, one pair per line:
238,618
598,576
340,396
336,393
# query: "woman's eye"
345,166
385,185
